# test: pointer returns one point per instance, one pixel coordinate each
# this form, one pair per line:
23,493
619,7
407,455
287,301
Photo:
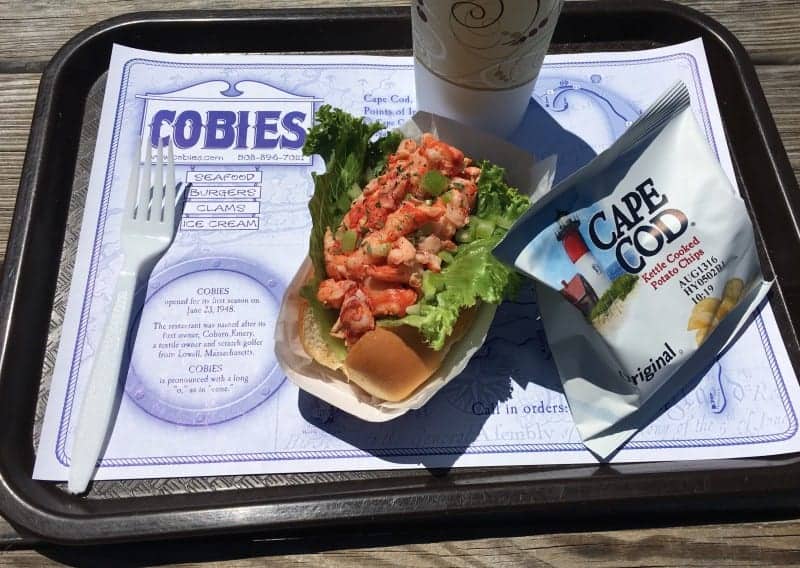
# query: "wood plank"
746,544
781,84
10,169
768,30
17,98
32,31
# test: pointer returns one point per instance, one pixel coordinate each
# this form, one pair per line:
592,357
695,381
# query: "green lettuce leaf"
474,275
497,201
352,158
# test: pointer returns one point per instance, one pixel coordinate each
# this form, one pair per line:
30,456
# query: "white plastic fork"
148,228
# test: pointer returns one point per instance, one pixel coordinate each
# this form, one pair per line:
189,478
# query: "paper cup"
476,61
522,171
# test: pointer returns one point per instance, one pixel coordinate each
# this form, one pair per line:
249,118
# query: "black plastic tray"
35,275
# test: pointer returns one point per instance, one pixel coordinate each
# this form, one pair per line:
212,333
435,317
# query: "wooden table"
30,33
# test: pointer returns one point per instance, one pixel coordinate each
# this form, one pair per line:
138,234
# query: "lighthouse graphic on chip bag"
590,280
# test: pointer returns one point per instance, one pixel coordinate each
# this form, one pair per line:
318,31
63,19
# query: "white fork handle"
102,387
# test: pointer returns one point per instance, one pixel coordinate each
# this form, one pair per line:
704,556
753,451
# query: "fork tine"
169,189
157,205
145,194
133,182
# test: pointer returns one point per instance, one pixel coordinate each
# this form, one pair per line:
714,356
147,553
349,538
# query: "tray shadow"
541,135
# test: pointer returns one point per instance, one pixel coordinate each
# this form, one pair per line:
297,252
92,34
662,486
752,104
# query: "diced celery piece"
465,235
413,310
445,256
381,249
434,182
349,239
429,288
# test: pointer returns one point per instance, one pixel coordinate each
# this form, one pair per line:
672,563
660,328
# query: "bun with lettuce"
401,244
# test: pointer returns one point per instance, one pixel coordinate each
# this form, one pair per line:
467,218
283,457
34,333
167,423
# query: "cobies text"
221,129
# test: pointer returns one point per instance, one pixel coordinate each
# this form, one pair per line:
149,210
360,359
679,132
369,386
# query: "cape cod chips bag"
645,267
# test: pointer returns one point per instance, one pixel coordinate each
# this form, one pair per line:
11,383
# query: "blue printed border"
66,414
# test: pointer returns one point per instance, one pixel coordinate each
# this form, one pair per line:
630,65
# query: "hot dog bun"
389,363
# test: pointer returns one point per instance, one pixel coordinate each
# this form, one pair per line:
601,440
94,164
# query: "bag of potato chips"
645,267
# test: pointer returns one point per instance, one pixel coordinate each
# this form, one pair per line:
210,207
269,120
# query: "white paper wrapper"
522,171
